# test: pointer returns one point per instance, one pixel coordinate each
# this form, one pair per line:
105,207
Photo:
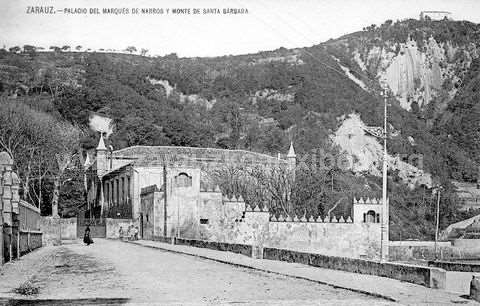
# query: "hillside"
262,101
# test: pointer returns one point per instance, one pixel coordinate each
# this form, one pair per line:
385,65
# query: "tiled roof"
151,155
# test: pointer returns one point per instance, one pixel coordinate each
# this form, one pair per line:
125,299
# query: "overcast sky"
270,24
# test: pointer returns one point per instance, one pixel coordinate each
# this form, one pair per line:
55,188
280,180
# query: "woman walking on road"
86,237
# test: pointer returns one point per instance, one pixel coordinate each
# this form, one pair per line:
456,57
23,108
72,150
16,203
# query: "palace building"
115,178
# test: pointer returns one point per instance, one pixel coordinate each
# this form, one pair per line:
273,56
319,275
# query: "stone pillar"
257,222
6,164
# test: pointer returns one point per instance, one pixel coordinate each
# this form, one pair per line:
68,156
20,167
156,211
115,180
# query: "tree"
67,139
15,49
78,48
131,49
143,52
55,49
29,49
66,48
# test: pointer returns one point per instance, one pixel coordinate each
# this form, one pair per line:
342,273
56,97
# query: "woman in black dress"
86,237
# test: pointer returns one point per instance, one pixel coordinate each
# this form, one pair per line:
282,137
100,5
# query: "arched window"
370,217
183,180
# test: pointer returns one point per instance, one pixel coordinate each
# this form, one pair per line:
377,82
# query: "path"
128,273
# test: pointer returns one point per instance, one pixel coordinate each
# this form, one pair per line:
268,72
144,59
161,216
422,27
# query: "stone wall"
113,227
425,250
213,217
68,228
357,240
244,249
52,230
420,275
19,220
57,229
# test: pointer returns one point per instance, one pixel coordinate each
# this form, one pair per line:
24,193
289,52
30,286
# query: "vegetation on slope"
69,86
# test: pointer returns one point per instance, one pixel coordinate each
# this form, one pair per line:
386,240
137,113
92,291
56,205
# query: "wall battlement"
311,219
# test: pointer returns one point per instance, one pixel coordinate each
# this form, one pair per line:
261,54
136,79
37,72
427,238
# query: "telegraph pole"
437,221
164,198
385,212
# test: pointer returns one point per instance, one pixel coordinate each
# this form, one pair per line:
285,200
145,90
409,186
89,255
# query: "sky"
269,24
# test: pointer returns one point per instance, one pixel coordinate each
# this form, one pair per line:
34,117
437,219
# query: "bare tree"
143,52
67,139
263,186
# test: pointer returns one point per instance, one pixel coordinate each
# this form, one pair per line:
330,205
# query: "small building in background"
435,15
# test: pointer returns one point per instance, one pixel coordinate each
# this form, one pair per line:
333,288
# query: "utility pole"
164,198
1,229
385,212
437,221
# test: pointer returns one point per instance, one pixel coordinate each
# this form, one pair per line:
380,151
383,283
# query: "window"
117,193
183,180
128,188
123,190
370,216
112,187
107,192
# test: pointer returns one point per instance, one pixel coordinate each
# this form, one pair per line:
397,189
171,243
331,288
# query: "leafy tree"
131,49
15,49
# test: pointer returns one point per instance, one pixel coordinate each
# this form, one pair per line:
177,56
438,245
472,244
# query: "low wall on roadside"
455,266
420,275
113,227
56,229
51,229
425,250
243,249
162,239
68,228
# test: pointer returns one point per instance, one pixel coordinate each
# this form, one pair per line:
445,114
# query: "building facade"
114,179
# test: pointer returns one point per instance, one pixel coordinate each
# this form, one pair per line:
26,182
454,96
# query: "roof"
117,170
147,155
101,144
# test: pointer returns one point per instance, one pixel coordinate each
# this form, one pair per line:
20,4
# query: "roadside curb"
374,294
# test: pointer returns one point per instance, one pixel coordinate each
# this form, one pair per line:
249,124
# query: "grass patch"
27,288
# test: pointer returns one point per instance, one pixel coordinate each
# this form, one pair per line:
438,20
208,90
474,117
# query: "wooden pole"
2,256
437,222
164,199
384,226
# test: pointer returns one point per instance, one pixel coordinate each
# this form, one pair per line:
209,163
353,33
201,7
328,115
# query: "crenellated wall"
333,238
210,216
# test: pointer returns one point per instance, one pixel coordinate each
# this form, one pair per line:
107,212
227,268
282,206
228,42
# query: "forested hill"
262,101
